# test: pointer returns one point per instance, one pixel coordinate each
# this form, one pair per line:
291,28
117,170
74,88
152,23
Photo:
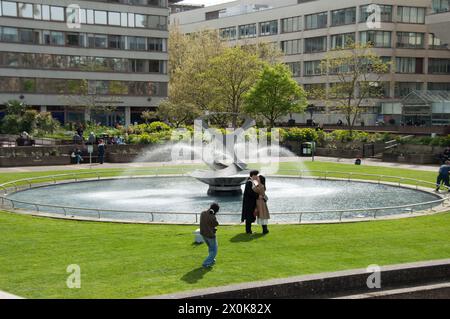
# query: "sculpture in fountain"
225,178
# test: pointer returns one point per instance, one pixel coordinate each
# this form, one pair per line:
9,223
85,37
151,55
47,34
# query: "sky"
205,2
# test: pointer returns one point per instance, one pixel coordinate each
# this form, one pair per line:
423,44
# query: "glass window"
435,43
9,8
124,19
295,68
313,68
411,14
100,17
343,16
342,40
115,42
73,39
57,38
293,24
90,16
26,36
439,66
409,65
101,41
153,22
131,20
37,11
10,34
413,40
268,28
25,10
291,47
247,31
379,39
316,21
386,13
402,89
57,13
440,6
318,44
73,15
114,18
228,33
45,12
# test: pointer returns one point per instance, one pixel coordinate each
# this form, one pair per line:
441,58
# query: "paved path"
369,162
5,295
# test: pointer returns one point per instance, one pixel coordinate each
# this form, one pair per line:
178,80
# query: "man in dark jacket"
208,224
249,203
443,176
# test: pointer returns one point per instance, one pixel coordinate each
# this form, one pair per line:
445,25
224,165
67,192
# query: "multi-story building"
306,30
50,50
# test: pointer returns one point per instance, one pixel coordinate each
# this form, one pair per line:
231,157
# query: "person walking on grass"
208,224
443,176
261,211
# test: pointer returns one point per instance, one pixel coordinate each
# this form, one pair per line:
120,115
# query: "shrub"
302,135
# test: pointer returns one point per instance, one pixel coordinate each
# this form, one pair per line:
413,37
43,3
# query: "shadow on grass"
239,238
195,275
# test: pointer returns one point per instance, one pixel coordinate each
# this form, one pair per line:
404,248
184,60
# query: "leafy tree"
233,73
45,123
177,114
356,72
275,94
148,115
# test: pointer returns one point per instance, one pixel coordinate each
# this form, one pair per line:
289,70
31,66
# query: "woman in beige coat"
261,210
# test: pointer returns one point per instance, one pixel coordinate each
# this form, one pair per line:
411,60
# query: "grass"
127,261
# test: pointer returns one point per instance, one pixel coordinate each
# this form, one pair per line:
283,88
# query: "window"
45,12
293,24
156,44
342,40
53,38
9,9
343,16
268,28
247,31
73,40
313,68
409,65
402,89
100,17
318,44
295,68
37,11
435,43
114,18
413,40
439,86
73,15
411,15
56,13
136,43
228,33
10,34
291,47
131,20
101,41
379,39
140,20
439,66
123,19
386,13
440,6
25,10
316,21
115,42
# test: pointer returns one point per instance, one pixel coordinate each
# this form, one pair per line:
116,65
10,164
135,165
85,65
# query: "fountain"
225,178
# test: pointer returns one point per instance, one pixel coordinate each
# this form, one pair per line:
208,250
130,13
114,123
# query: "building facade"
55,56
305,30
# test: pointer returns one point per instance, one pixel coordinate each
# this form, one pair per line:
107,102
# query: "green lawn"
125,261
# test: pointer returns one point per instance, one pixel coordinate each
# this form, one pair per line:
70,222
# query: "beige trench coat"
262,211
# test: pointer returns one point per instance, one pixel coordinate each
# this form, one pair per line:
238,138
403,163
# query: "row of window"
378,39
83,40
407,65
151,3
83,16
65,86
440,6
80,63
401,89
320,20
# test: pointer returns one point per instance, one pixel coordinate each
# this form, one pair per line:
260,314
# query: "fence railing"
193,217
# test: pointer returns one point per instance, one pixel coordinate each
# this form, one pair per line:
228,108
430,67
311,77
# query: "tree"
233,73
148,115
356,75
19,117
45,123
177,114
275,94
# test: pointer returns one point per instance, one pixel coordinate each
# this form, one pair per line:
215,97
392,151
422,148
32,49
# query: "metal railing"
193,217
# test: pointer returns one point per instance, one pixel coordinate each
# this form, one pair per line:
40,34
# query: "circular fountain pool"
178,199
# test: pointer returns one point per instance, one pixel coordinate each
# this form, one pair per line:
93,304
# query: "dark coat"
208,224
249,203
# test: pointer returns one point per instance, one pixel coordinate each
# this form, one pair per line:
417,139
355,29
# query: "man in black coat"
249,203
